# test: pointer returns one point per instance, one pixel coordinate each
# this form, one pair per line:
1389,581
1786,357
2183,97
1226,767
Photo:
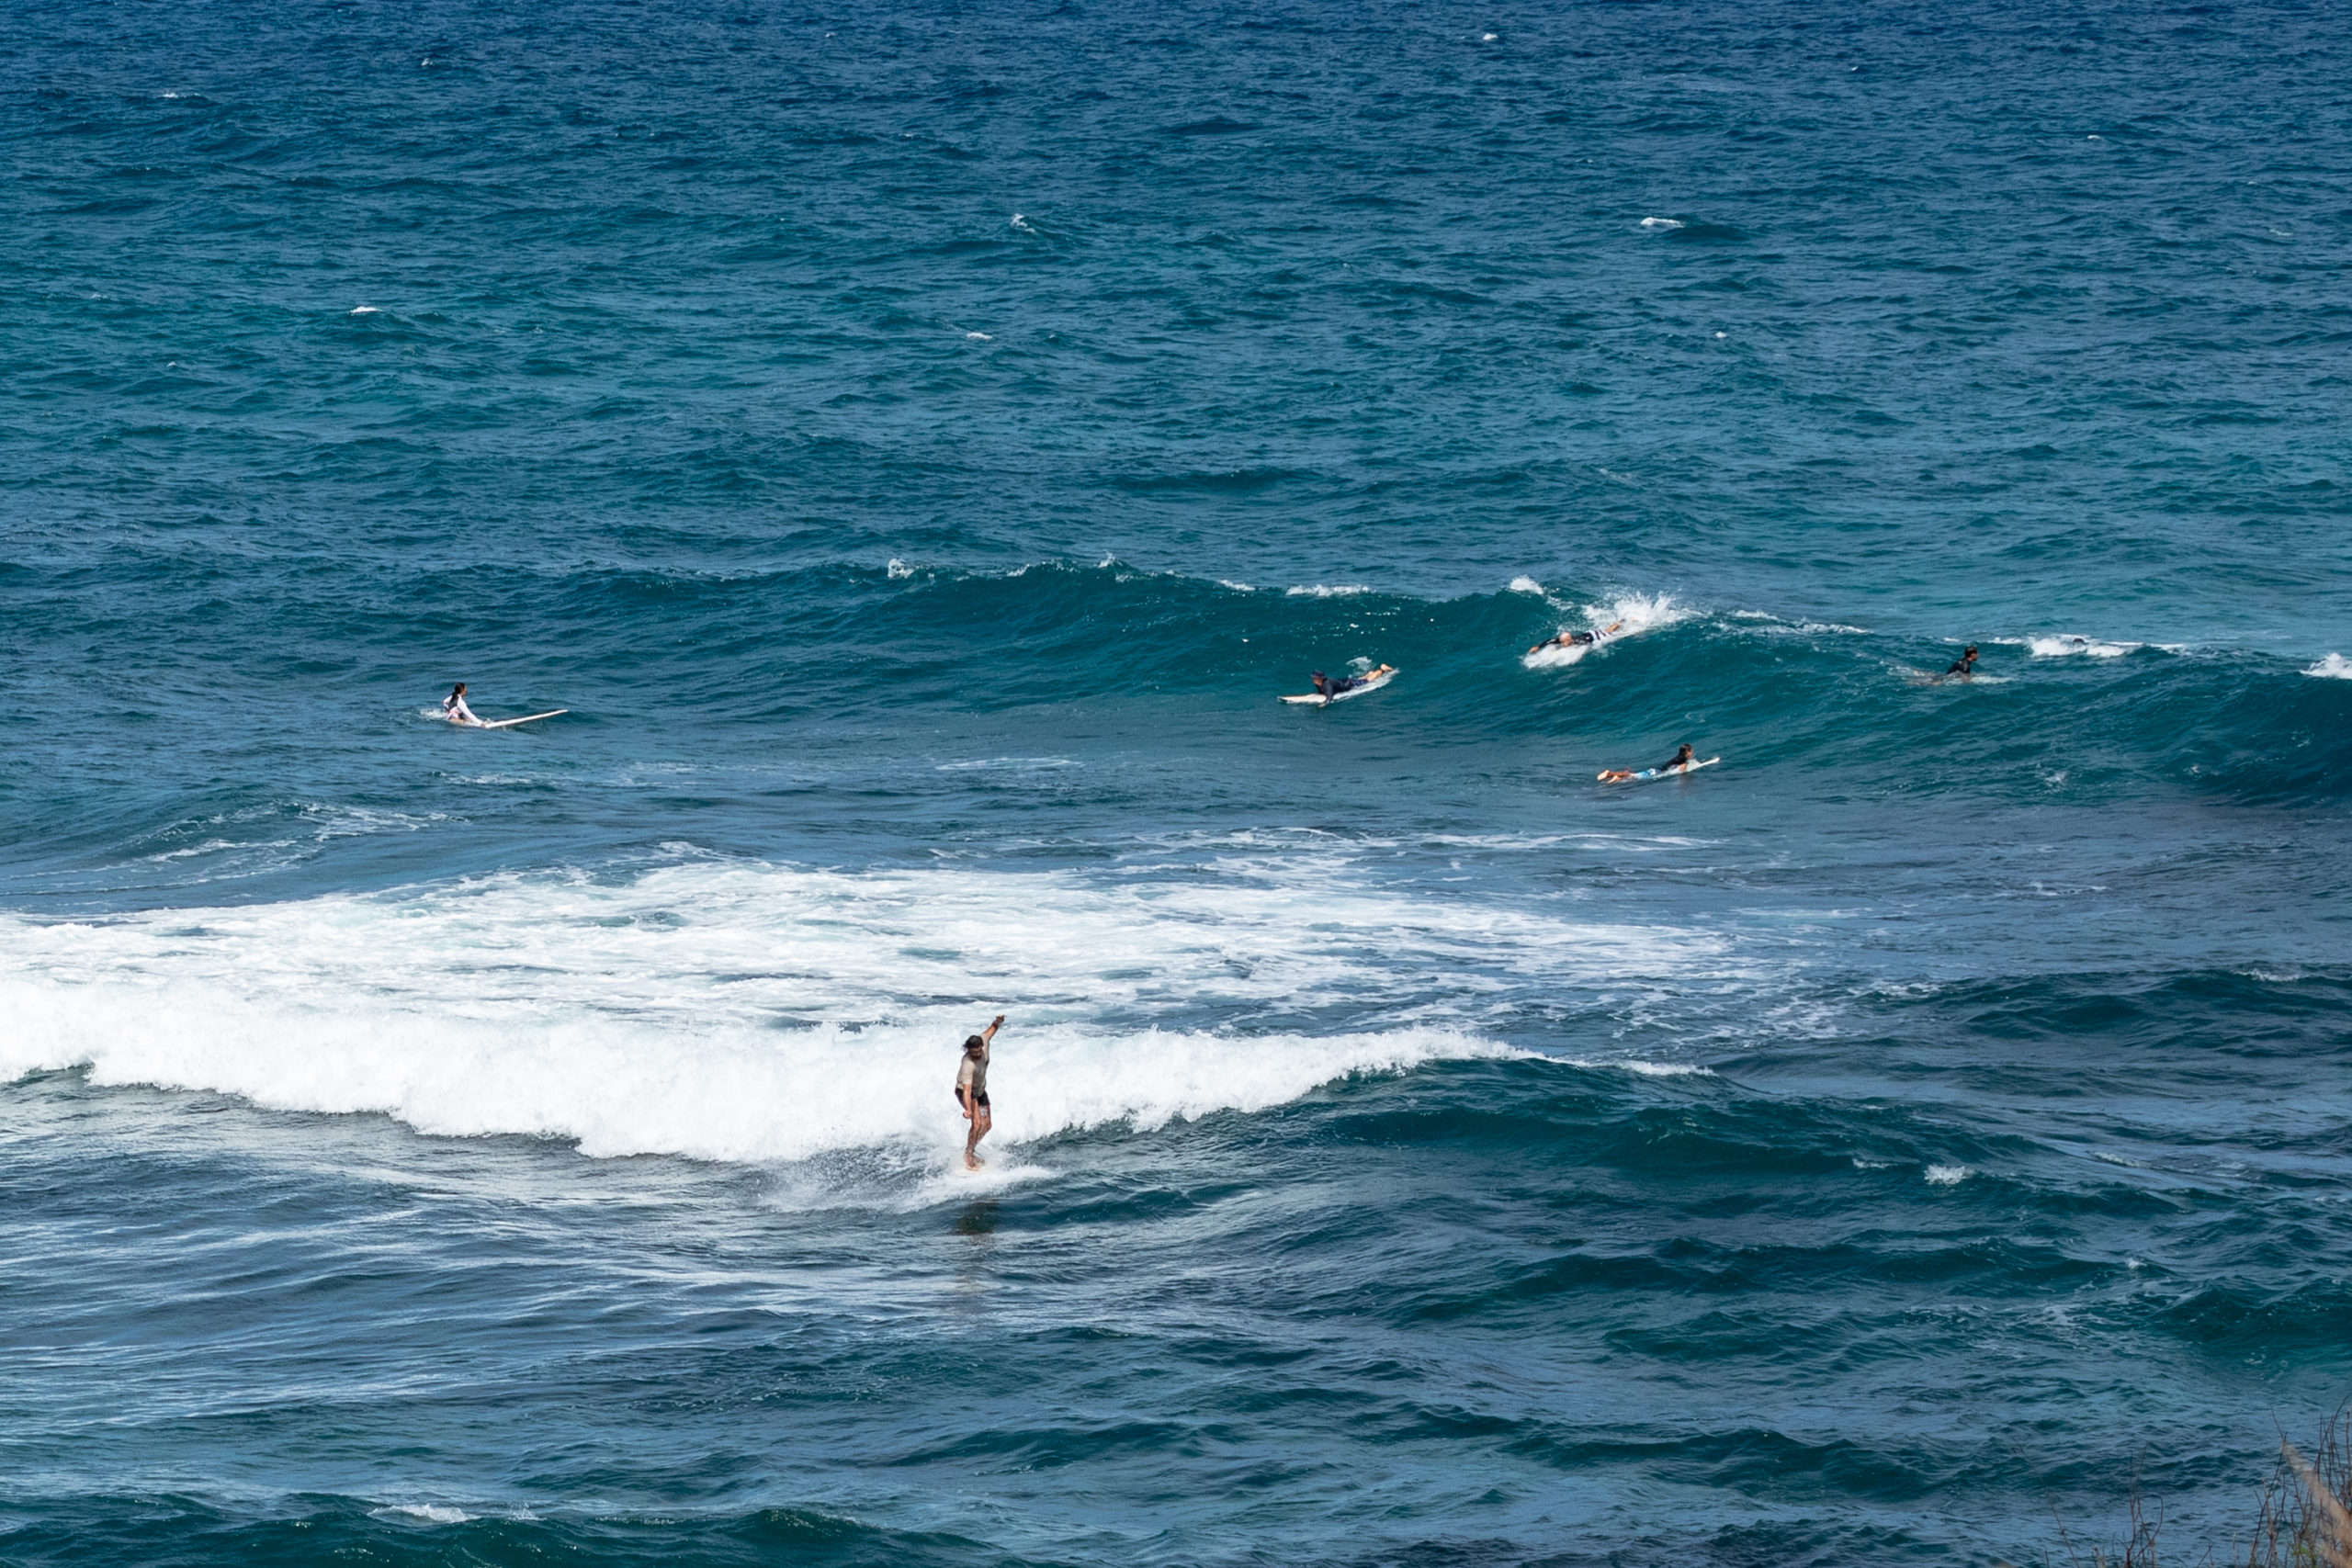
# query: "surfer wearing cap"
1327,687
1579,639
1965,665
1674,763
972,1090
454,708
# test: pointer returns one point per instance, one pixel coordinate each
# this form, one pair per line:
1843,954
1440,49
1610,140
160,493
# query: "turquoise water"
918,447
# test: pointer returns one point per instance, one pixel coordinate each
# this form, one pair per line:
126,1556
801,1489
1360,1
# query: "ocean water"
917,445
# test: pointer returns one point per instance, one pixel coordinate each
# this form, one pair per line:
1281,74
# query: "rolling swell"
1837,709
177,1530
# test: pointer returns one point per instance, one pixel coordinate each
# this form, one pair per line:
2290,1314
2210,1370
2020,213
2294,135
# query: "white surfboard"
1372,685
511,723
1648,775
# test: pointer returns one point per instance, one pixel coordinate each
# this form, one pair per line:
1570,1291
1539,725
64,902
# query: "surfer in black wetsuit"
1965,665
1577,639
1681,760
1326,686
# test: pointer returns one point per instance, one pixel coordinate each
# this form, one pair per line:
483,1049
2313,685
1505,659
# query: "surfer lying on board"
1326,686
972,1090
1681,758
454,706
1965,665
1577,639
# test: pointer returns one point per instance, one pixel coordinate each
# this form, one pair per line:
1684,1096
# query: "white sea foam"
2077,647
2334,668
1658,224
1237,587
1525,585
1948,1175
899,570
979,337
1646,1069
363,310
1632,613
745,1011
1020,223
1767,625
422,1513
1333,590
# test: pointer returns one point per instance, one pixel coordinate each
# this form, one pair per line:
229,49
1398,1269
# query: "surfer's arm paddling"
1682,762
1577,639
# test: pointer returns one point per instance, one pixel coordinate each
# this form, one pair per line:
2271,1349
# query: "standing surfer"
972,1090
454,708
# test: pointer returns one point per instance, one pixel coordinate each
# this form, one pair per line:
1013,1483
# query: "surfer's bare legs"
977,1115
972,1090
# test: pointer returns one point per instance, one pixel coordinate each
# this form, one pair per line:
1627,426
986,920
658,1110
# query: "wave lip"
1631,612
2335,667
2078,648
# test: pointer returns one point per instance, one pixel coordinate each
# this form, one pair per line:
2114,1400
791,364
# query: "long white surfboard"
511,723
1648,775
1321,701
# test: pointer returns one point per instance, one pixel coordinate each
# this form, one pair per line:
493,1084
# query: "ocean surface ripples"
917,448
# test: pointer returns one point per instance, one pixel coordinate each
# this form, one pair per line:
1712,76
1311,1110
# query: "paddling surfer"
1579,639
1680,761
454,708
1326,686
1964,666
972,1090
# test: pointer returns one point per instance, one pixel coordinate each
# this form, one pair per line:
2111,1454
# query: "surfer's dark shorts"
982,1098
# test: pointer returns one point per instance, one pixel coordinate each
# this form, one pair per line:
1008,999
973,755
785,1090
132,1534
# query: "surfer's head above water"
1966,664
973,1042
458,689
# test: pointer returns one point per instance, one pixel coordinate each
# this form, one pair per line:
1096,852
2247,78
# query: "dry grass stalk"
2305,1521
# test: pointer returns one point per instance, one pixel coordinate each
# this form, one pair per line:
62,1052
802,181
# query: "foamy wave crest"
738,1011
2333,667
622,1088
2077,647
1525,585
1631,613
1332,590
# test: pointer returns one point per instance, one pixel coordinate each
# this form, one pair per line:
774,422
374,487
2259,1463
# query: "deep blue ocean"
918,446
